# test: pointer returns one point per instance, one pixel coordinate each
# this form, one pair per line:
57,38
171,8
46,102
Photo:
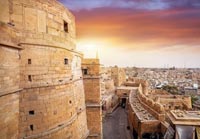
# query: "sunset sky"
144,33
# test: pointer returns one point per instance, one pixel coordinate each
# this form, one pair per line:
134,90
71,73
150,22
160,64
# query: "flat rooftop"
184,117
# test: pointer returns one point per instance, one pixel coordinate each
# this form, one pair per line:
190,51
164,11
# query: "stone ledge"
91,77
86,135
10,92
91,64
46,45
55,129
93,105
65,83
11,45
94,135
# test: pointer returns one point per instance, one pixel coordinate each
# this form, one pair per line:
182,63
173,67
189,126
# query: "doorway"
123,103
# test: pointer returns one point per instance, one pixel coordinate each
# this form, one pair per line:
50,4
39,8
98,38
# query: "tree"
193,99
171,89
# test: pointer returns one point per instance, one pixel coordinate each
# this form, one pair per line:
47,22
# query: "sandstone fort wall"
41,88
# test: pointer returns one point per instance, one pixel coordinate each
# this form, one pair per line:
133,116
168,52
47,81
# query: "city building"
158,114
118,75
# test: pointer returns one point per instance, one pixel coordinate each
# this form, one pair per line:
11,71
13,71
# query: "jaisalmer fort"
50,90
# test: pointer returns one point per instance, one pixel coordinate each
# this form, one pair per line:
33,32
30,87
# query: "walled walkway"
115,125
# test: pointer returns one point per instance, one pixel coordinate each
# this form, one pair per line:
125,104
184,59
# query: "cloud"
140,29
145,31
77,5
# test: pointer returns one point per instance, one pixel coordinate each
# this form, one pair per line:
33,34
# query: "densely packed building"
182,78
156,114
183,81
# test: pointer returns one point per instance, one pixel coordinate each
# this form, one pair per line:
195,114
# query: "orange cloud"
140,29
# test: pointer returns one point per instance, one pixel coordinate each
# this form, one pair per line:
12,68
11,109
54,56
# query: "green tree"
171,89
193,99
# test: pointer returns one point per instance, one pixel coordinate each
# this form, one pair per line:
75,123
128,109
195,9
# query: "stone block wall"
155,108
40,21
9,84
45,66
109,85
150,127
173,102
122,93
94,118
42,109
92,89
41,85
9,115
118,75
9,70
169,101
139,126
92,66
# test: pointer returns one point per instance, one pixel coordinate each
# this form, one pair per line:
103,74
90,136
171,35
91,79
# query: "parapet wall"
141,118
154,108
169,101
159,101
143,83
158,92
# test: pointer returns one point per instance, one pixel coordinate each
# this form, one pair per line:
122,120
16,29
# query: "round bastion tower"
41,85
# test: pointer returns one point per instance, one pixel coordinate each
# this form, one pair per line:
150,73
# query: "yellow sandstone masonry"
118,75
92,87
41,84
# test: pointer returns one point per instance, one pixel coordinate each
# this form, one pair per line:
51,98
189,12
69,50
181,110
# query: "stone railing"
155,108
164,97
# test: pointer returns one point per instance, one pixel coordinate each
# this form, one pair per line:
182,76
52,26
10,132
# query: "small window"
66,27
70,102
66,61
31,112
31,127
85,71
29,61
177,107
29,78
55,112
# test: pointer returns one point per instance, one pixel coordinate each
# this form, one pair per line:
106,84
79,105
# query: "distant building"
118,75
